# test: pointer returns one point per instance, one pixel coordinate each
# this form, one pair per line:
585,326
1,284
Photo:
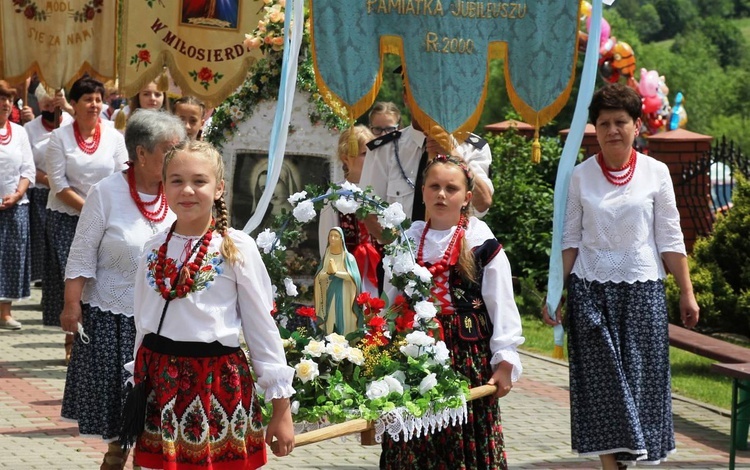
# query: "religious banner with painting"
57,40
445,47
200,41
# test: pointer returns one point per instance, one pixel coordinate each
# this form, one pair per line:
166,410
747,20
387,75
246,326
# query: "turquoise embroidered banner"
445,47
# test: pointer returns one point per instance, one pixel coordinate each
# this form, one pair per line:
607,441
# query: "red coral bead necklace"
609,173
451,252
88,147
5,139
155,216
188,270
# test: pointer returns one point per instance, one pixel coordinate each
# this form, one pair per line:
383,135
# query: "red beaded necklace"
88,147
157,215
609,173
450,257
4,139
188,270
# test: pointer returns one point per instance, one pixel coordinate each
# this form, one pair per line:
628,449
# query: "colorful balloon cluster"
616,61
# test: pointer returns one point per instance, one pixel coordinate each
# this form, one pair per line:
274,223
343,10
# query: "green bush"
720,270
522,206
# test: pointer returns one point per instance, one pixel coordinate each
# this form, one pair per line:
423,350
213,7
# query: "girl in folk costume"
199,284
479,321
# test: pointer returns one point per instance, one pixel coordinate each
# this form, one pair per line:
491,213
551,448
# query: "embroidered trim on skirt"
620,390
37,222
201,414
477,444
60,230
96,374
15,255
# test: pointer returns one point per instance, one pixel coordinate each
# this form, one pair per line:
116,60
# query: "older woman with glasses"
121,213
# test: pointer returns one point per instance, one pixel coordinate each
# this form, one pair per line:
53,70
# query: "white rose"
425,310
399,375
377,389
402,263
393,384
442,355
338,351
314,348
392,216
422,273
420,338
265,240
410,288
337,338
275,291
291,289
351,187
427,383
356,356
295,407
296,197
346,205
411,350
304,212
306,370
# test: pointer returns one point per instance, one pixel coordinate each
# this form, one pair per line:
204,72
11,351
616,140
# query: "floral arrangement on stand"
394,370
264,78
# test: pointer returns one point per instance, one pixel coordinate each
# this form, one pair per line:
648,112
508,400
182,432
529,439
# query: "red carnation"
405,321
89,13
144,56
205,74
377,304
377,322
308,312
363,298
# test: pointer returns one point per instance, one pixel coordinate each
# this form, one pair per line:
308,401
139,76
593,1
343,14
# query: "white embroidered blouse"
621,231
226,299
497,288
39,138
108,242
16,162
69,167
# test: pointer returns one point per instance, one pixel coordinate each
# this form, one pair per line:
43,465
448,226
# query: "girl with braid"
199,284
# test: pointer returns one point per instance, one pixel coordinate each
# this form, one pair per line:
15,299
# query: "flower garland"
394,369
263,80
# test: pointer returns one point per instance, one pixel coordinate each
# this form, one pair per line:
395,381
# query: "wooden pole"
362,425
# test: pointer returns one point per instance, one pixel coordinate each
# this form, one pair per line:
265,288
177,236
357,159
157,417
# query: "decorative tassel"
536,147
353,143
133,418
162,83
121,119
558,352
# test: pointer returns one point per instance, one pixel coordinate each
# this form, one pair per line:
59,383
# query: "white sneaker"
10,324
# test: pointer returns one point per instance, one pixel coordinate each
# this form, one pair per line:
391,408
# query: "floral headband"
459,162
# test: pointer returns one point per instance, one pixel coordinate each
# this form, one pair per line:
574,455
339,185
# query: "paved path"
535,414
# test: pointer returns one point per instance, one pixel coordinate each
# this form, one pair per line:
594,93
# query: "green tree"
728,39
675,16
649,22
715,8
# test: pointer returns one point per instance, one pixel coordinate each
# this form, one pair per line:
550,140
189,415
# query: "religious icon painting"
222,14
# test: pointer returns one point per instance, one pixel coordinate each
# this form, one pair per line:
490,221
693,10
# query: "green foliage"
720,269
727,38
675,16
649,22
522,206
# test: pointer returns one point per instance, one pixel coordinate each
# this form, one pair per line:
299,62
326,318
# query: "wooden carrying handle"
362,425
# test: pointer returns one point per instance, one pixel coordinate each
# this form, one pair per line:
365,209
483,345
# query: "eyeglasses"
382,130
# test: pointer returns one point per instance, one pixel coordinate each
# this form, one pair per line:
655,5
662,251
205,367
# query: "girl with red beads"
200,284
479,318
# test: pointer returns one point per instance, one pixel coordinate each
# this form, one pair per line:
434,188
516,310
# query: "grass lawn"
691,375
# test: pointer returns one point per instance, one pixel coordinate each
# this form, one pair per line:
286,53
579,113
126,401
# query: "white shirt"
39,138
229,298
621,231
109,238
497,288
381,169
69,167
16,162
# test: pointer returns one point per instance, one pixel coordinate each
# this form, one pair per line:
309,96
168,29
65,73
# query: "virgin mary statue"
337,284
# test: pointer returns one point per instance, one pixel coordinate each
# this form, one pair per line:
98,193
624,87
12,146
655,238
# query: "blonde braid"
228,249
466,265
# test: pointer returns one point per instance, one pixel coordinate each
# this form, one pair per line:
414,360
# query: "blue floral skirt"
15,269
60,230
96,376
37,223
620,390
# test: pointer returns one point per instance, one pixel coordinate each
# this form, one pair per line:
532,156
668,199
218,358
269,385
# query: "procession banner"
445,48
200,41
57,40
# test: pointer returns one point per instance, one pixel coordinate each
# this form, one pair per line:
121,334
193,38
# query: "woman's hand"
501,378
10,200
281,427
558,314
689,310
70,317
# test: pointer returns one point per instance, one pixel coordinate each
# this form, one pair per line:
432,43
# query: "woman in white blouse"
621,228
16,173
121,213
78,156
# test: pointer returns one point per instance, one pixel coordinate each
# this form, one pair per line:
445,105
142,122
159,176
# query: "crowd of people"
129,234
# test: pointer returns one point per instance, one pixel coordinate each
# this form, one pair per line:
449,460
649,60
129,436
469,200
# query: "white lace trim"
400,423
